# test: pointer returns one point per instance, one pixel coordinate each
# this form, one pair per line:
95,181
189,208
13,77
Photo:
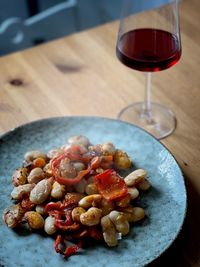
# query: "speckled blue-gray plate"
165,203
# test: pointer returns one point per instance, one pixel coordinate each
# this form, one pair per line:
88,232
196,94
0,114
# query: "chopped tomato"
110,185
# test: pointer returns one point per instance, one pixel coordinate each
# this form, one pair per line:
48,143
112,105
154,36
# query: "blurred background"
26,23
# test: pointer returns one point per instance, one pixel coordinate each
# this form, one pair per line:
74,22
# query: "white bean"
80,187
106,206
58,190
121,160
91,216
109,231
20,176
54,152
13,215
35,176
67,168
79,140
21,190
134,214
34,219
120,222
108,149
34,154
76,213
40,192
91,189
133,192
89,201
79,166
40,209
135,177
49,226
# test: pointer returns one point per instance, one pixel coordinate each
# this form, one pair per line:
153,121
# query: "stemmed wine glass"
149,41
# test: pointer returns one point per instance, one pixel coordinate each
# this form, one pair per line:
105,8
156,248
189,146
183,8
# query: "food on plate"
75,193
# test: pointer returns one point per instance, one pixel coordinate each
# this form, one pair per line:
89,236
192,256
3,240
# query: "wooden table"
80,75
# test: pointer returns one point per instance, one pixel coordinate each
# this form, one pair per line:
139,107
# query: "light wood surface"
80,75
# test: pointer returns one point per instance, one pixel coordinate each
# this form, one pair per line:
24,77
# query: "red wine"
148,49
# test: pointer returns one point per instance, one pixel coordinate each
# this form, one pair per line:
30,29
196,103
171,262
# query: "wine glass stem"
146,113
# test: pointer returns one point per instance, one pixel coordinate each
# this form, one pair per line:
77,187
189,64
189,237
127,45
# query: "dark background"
84,14
19,31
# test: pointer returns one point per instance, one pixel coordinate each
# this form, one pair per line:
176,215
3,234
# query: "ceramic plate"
165,203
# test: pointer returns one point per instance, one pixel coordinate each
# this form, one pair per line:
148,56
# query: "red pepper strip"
56,214
95,163
73,227
53,206
78,153
67,203
71,181
68,251
57,243
74,153
110,185
71,250
68,218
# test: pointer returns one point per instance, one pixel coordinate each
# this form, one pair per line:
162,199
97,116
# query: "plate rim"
176,234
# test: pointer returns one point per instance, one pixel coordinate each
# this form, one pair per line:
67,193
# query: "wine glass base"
160,122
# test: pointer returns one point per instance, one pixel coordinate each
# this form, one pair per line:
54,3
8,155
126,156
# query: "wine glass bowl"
149,41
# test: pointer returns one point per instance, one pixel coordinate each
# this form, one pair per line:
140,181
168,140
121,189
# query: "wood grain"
80,75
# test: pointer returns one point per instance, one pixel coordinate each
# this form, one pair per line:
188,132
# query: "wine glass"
149,41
